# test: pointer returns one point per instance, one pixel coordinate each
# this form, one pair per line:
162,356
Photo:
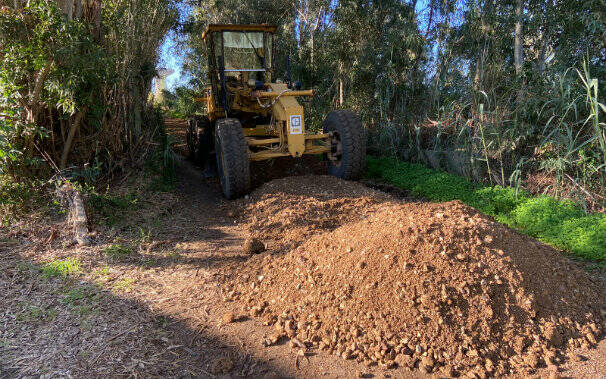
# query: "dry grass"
121,307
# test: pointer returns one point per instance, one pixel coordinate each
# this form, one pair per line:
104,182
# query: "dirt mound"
438,287
292,209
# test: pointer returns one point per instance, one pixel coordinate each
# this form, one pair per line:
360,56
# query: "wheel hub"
336,148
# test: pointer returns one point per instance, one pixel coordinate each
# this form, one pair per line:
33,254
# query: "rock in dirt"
228,318
576,357
461,290
553,336
253,246
532,360
221,366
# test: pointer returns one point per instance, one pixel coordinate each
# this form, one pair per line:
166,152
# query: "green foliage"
420,180
74,87
61,268
563,224
560,223
39,46
181,103
541,216
585,236
16,197
498,201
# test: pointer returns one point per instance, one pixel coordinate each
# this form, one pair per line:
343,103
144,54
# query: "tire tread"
353,140
235,152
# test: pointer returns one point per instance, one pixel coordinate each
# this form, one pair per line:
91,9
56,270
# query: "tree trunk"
517,52
542,55
430,19
68,9
70,139
34,101
78,9
341,83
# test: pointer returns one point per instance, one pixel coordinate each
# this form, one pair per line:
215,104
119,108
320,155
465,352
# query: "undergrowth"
61,268
18,197
559,223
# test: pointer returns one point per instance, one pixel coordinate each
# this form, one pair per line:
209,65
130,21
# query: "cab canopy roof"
238,28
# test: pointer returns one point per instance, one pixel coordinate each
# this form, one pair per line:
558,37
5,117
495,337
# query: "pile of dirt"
292,209
438,287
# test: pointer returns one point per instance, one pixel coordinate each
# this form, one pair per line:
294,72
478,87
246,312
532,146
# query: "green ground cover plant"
560,223
61,268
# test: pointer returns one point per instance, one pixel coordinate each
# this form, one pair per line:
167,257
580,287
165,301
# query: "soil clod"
221,365
253,246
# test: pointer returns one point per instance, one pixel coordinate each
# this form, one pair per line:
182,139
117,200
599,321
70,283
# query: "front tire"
232,158
348,144
199,139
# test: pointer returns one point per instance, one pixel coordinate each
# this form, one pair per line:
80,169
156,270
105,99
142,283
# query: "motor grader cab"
251,118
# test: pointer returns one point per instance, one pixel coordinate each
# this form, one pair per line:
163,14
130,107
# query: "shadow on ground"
66,325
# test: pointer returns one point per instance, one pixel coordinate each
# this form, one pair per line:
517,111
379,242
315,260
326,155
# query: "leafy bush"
17,196
560,223
181,103
74,85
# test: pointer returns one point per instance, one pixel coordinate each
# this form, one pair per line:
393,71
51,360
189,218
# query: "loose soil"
438,287
168,290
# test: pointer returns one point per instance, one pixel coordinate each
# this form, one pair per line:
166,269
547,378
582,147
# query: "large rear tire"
348,144
199,139
232,158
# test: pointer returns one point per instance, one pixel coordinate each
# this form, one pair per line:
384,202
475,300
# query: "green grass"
124,284
117,251
82,300
34,313
61,268
559,223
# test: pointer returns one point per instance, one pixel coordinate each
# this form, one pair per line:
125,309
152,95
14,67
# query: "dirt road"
148,297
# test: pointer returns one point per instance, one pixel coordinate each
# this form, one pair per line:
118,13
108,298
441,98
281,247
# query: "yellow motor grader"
251,118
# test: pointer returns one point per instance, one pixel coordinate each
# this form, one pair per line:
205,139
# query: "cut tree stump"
77,213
